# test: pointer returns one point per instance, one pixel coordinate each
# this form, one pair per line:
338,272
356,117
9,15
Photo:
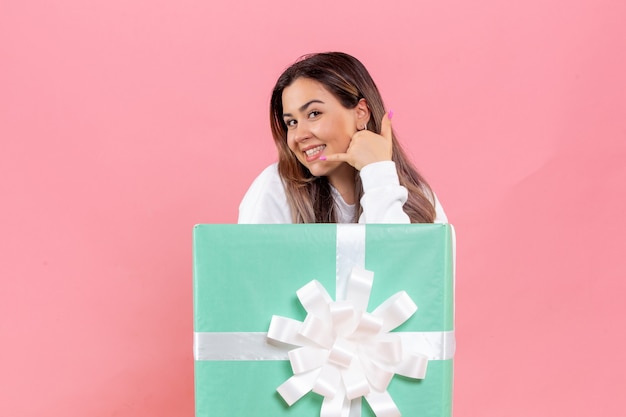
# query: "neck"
343,181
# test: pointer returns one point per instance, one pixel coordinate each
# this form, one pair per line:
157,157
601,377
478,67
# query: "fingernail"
322,158
390,114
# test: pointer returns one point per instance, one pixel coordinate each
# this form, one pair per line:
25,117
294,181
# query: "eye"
314,114
290,123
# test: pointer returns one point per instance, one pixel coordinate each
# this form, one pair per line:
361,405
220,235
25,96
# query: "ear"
362,113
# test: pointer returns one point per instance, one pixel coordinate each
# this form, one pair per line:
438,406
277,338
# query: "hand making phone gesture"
367,147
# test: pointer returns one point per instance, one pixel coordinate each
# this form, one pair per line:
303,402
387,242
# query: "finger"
336,157
385,129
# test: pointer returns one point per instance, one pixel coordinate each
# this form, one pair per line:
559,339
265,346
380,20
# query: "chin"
317,172
322,170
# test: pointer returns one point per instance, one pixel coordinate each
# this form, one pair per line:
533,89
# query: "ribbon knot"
345,352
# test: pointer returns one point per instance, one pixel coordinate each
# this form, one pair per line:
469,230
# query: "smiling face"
318,124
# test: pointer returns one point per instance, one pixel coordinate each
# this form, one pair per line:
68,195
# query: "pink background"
124,123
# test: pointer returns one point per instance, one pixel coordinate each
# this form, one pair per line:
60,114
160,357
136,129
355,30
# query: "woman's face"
317,124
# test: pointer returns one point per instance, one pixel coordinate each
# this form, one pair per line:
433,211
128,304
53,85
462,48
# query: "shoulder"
269,176
265,201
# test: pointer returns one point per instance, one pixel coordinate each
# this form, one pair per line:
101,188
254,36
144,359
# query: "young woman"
338,158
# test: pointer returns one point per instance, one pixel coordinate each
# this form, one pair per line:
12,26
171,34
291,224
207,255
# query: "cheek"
333,130
291,143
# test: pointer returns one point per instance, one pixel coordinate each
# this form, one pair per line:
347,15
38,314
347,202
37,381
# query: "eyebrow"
304,107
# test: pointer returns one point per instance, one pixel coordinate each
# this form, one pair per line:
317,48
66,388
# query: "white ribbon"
345,352
253,346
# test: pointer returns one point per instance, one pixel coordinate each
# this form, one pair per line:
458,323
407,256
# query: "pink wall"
123,123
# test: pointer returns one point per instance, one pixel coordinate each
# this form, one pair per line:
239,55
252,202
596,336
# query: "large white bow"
346,352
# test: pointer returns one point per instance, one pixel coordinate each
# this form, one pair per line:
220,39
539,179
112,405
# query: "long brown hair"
310,198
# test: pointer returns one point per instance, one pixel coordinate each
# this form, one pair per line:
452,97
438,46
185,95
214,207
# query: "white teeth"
315,150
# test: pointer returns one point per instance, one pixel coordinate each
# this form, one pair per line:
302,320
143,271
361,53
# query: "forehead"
302,91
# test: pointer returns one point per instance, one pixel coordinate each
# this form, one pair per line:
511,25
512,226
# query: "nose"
301,133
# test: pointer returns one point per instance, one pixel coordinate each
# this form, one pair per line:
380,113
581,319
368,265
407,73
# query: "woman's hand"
367,147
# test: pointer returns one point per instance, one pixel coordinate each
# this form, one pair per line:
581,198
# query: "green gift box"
245,274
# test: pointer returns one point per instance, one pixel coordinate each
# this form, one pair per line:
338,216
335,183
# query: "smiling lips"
314,152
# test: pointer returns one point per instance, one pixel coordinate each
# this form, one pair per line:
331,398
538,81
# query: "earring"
364,126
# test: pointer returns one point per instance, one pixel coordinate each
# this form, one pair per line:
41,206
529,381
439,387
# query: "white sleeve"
383,196
265,202
440,215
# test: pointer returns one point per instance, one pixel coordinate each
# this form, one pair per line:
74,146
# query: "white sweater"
382,200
